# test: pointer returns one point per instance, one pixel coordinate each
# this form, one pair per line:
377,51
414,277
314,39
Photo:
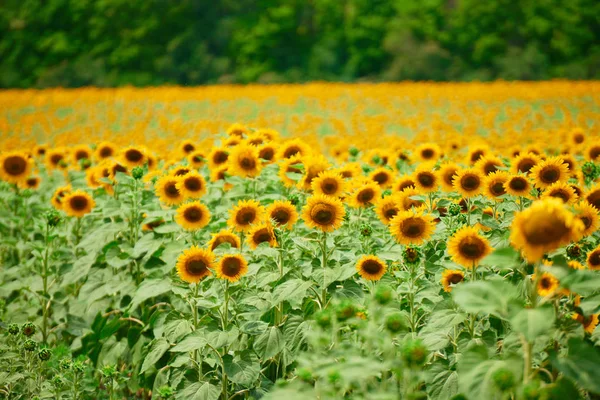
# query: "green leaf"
582,364
147,244
444,385
148,289
80,269
169,227
243,369
199,391
270,343
503,258
292,291
488,297
533,322
582,282
158,348
193,341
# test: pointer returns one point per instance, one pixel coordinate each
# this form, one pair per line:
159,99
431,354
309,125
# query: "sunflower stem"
194,306
45,309
324,263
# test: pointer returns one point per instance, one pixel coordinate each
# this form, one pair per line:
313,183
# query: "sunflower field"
318,241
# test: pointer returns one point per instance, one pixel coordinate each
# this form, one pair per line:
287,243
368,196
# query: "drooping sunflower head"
547,284
218,157
195,264
294,147
382,176
282,214
589,322
451,278
593,259
562,191
329,183
15,167
447,172
77,204
549,171
232,267
493,185
313,166
196,159
412,227
545,226
518,185
262,233
425,178
428,152
468,182
192,216
365,194
192,185
245,214
105,150
467,247
371,267
222,237
167,192
524,162
59,195
388,207
592,196
407,200
243,161
291,170
133,157
323,212
589,215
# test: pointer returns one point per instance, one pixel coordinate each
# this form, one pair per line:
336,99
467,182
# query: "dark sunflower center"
196,267
81,154
372,267
267,154
594,198
471,249
134,155
594,259
594,152
262,236
490,167
405,185
525,165
413,227
455,278
426,179
323,214
518,184
193,184
220,157
171,190
365,196
587,221
470,182
281,216
579,138
549,174
248,163
449,177
498,189
381,178
197,158
31,182
15,165
427,154
411,255
245,216
231,266
329,186
41,151
119,168
545,283
544,229
391,212
476,156
192,214
188,148
291,151
78,203
560,194
219,240
56,158
182,172
346,174
106,152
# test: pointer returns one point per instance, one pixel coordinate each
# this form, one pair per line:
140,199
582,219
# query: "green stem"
324,263
45,307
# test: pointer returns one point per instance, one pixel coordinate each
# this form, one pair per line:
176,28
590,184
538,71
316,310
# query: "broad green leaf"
158,348
199,391
533,322
270,343
444,385
582,282
243,369
292,291
169,227
503,258
81,267
488,297
193,341
149,289
581,364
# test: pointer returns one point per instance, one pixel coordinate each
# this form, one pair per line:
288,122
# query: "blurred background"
73,43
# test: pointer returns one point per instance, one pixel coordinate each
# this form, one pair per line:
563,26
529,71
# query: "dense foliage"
150,42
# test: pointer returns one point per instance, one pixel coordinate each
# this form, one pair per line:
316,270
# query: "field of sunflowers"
318,241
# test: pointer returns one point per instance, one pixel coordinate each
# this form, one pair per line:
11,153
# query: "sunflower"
545,226
187,147
192,216
243,161
489,164
59,195
574,264
549,171
261,233
255,139
180,171
191,185
224,236
589,323
232,267
196,159
476,152
245,214
382,176
167,192
388,207
218,157
81,152
350,170
77,203
577,137
105,150
426,180
290,170
364,195
592,196
547,284
428,152
323,212
294,147
523,163
133,157
518,185
266,153
578,191
493,185
283,214
15,167
403,182
451,277
238,130
447,172
40,150
592,153
114,167
313,166
406,200
571,163
151,225
589,215
562,191
468,182
33,182
593,259
195,264
329,183
56,159
467,247
371,267
412,227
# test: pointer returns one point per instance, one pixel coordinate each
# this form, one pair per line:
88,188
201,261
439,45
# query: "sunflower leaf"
488,297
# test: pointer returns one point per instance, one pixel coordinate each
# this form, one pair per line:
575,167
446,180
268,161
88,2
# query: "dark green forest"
72,43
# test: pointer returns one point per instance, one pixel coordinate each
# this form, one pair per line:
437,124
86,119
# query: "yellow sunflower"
59,195
549,171
592,153
573,264
329,183
323,212
243,161
467,247
523,163
382,176
255,139
187,147
593,259
33,182
425,178
364,195
371,267
476,152
167,192
294,147
412,227
350,170
232,267
266,152
577,137
488,164
518,185
40,150
283,214
547,284
313,166
589,323
196,159
452,277
290,170
192,216
589,215
224,236
388,207
218,157
81,152
543,227
468,182
245,214
571,163
261,233
493,185
428,152
270,135
406,200
180,171
15,167
56,159
195,264
447,173
238,130
133,157
592,196
105,150
562,191
191,185
77,204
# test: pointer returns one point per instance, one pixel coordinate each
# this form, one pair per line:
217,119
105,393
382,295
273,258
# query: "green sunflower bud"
454,209
323,318
30,345
44,354
353,151
503,379
395,322
304,374
65,364
345,310
414,352
137,173
384,294
13,329
165,392
28,329
366,229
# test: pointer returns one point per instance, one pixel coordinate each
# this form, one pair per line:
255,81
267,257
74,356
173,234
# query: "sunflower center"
261,236
381,178
119,168
594,259
197,158
134,155
449,176
171,190
106,152
427,154
78,203
188,148
81,154
56,158
490,167
594,152
472,249
219,240
220,157
549,174
587,221
594,198
291,151
281,216
578,138
193,184
476,156
267,154
455,278
245,216
329,186
372,267
248,163
391,212
545,283
15,165
231,266
525,165
543,228
498,189
365,196
192,214
517,184
405,185
469,182
31,182
182,172
426,179
413,227
196,267
560,194
346,174
323,214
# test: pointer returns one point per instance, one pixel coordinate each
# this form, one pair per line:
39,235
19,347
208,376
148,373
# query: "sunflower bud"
65,364
304,374
366,230
53,218
384,294
574,251
78,366
13,329
323,318
376,160
590,171
44,354
345,310
137,173
110,371
353,151
414,352
395,322
411,255
58,381
28,329
503,379
166,392
30,345
454,209
294,199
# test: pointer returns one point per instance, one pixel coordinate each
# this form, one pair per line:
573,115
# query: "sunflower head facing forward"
245,214
467,247
323,212
412,227
192,216
195,264
77,204
371,267
232,267
15,167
